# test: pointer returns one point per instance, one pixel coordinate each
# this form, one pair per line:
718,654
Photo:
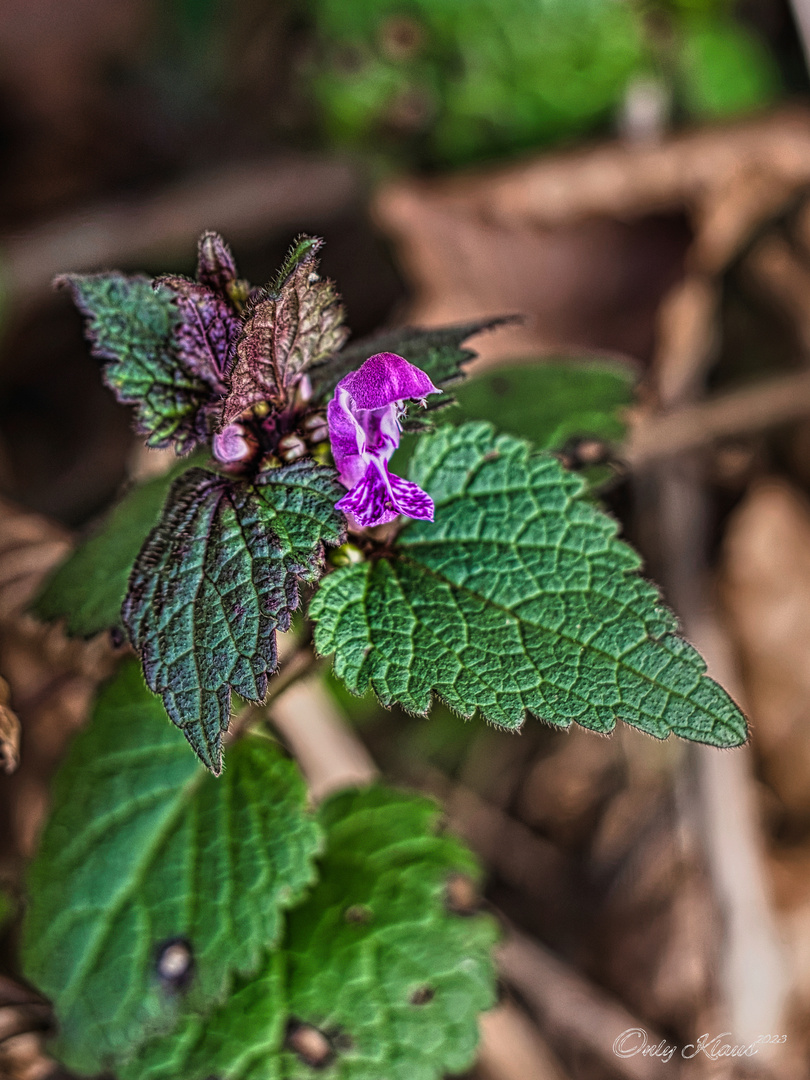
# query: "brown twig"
529,863
299,708
576,1012
240,200
330,755
513,1049
618,179
298,663
658,436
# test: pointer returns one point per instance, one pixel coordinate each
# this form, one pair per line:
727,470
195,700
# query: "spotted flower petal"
364,429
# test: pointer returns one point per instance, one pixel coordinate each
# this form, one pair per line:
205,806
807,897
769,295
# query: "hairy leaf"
375,965
437,351
215,580
215,264
207,331
290,325
517,599
133,328
88,588
148,861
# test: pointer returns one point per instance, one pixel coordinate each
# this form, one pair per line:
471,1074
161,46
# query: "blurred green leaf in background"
450,82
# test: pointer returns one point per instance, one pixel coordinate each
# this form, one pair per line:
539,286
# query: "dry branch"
240,201
576,1011
658,436
512,1048
622,180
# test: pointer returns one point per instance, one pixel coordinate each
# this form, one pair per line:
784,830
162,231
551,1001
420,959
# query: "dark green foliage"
241,1040
132,327
375,939
438,351
88,588
157,901
373,959
145,848
215,580
517,599
552,401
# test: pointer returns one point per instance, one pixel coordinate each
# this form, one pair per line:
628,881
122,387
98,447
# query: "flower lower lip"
365,419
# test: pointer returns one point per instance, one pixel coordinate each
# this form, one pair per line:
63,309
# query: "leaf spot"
175,964
310,1044
358,913
422,996
461,895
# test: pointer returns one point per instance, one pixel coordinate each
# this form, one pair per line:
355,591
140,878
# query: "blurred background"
633,177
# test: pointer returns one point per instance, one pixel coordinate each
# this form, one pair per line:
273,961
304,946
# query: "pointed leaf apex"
215,580
215,263
518,564
304,249
207,746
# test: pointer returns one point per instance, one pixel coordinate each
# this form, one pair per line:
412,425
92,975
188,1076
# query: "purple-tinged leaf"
215,264
207,330
133,328
214,581
290,325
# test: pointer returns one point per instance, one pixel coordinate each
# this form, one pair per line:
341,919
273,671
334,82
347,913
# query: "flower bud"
234,443
291,447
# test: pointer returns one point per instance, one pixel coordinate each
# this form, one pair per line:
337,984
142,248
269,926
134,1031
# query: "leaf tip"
208,748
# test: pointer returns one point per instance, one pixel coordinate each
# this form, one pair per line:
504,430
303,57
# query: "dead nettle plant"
192,920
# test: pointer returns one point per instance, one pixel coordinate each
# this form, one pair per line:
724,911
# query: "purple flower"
364,428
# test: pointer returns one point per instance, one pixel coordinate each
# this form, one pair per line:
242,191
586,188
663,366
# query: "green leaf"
517,599
132,326
373,960
375,940
145,848
552,401
439,352
215,580
88,588
724,68
240,1040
